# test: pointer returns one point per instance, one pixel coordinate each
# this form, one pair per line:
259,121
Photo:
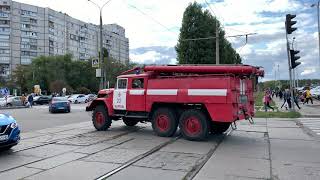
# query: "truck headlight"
14,125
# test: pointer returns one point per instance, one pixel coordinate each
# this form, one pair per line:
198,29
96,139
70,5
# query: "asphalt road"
38,117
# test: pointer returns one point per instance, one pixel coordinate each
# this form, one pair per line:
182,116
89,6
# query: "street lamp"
313,5
102,81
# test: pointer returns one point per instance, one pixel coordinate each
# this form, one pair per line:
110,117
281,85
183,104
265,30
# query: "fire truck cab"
197,99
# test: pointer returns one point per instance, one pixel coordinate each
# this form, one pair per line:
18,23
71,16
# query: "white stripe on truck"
207,92
137,92
172,92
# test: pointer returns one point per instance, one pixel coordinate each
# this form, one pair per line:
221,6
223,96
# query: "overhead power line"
214,37
150,17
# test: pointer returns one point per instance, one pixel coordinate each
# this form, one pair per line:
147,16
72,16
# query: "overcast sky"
152,27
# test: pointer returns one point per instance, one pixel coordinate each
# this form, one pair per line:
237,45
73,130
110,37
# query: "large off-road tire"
194,125
164,122
100,118
219,127
130,121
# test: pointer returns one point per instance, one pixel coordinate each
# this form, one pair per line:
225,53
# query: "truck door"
136,95
120,94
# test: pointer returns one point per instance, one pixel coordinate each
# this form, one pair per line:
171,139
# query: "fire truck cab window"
122,84
137,83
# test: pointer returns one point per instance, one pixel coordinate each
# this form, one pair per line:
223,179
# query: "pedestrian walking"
266,101
286,99
308,96
23,99
296,98
30,100
280,94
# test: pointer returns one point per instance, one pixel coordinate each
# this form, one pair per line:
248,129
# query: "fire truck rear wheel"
194,125
101,120
219,127
164,122
130,122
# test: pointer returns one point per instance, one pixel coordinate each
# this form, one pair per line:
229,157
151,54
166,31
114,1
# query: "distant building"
28,31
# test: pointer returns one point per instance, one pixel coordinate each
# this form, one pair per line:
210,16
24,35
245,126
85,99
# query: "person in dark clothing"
287,98
296,98
30,100
280,94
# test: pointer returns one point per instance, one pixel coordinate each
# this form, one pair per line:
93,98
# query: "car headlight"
14,125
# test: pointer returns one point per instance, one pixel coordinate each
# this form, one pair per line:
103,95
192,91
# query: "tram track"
190,175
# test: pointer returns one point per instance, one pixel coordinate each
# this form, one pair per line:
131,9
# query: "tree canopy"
198,23
53,73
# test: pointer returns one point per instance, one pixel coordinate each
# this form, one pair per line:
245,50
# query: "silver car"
14,101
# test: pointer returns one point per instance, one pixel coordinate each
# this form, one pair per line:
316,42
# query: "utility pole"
217,44
102,67
318,6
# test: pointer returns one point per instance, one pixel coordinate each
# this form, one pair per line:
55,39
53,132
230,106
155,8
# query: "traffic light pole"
290,73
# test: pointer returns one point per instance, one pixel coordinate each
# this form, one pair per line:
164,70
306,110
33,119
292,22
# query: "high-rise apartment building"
28,31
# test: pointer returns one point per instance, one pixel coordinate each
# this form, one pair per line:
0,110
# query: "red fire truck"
198,99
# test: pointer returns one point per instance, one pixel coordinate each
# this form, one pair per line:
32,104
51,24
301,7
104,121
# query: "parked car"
14,101
315,92
2,102
9,132
59,104
78,98
42,100
91,97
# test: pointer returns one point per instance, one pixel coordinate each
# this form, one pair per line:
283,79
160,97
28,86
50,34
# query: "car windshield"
75,96
59,99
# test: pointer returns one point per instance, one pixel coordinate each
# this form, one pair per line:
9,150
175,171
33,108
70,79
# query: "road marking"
312,124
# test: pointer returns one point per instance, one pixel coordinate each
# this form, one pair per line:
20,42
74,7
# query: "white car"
3,102
78,98
315,91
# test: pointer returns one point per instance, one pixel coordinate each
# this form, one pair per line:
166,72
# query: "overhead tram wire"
214,37
246,33
150,17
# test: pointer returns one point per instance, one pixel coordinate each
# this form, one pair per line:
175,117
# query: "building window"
5,69
4,29
25,60
4,22
28,13
7,37
4,51
4,59
28,53
33,21
4,44
3,14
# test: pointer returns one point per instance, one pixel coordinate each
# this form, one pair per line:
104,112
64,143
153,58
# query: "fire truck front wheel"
194,125
101,120
164,122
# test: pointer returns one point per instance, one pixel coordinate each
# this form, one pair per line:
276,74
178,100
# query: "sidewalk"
269,149
307,110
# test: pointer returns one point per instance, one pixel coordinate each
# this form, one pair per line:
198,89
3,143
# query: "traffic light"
290,23
294,58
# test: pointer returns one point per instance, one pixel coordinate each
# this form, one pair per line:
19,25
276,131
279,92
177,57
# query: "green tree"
197,23
20,78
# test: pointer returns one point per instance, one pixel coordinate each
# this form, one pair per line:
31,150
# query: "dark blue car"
59,104
9,132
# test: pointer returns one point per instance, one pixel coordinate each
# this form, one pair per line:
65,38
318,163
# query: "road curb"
18,107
